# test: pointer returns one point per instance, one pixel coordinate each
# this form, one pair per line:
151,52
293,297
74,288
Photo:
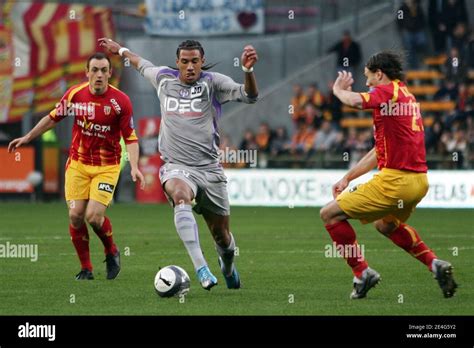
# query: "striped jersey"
99,122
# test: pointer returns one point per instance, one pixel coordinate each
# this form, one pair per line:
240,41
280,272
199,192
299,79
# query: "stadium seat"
423,75
435,61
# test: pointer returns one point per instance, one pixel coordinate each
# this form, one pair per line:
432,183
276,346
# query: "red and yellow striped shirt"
99,121
399,136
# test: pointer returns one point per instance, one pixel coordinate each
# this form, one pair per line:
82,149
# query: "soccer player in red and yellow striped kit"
102,114
389,198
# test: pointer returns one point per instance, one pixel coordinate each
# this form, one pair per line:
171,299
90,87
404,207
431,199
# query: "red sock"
80,239
105,235
343,234
408,239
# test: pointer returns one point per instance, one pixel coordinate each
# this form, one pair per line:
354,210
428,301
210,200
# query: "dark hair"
193,45
99,56
389,62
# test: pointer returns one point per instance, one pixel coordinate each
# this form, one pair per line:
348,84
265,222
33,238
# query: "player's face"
373,78
189,65
98,74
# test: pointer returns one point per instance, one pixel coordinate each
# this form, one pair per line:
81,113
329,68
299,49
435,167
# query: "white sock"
187,229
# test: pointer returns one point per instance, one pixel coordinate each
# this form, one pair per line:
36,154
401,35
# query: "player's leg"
366,202
80,237
181,195
407,238
409,191
104,181
342,233
95,216
213,203
225,246
76,189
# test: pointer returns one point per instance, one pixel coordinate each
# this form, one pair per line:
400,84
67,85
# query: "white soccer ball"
172,281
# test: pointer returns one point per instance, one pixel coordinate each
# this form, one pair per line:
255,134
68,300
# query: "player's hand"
16,143
136,174
110,45
339,186
249,56
344,81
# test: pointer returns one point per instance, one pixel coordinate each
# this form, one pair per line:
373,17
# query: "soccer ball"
172,281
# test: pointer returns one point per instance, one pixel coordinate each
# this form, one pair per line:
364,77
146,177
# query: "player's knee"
181,197
384,228
325,214
94,219
76,219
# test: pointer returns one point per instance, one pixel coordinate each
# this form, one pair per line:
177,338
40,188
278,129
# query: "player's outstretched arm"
114,48
249,58
342,89
45,124
133,151
365,165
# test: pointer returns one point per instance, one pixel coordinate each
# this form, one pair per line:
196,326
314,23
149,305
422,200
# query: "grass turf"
281,258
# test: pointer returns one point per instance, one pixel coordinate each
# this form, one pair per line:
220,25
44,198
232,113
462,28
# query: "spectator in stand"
411,23
302,141
348,53
362,146
248,143
470,50
432,137
460,38
326,138
279,143
454,12
455,67
315,96
333,107
298,102
350,141
263,138
437,26
456,144
447,91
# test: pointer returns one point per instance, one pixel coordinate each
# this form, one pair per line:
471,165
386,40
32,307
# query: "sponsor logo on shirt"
182,106
115,106
93,126
184,92
107,109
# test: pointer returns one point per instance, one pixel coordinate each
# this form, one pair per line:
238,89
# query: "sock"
187,229
408,239
80,240
227,255
105,235
344,235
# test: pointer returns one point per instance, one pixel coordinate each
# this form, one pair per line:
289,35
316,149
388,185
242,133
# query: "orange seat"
423,75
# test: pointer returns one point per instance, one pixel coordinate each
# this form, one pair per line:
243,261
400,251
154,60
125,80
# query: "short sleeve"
127,127
376,96
226,89
62,109
152,72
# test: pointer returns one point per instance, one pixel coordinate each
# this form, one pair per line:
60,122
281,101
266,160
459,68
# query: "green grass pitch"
281,261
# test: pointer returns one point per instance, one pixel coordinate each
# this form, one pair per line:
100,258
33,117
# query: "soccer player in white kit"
191,100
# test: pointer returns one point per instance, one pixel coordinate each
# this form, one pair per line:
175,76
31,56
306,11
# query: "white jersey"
188,132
